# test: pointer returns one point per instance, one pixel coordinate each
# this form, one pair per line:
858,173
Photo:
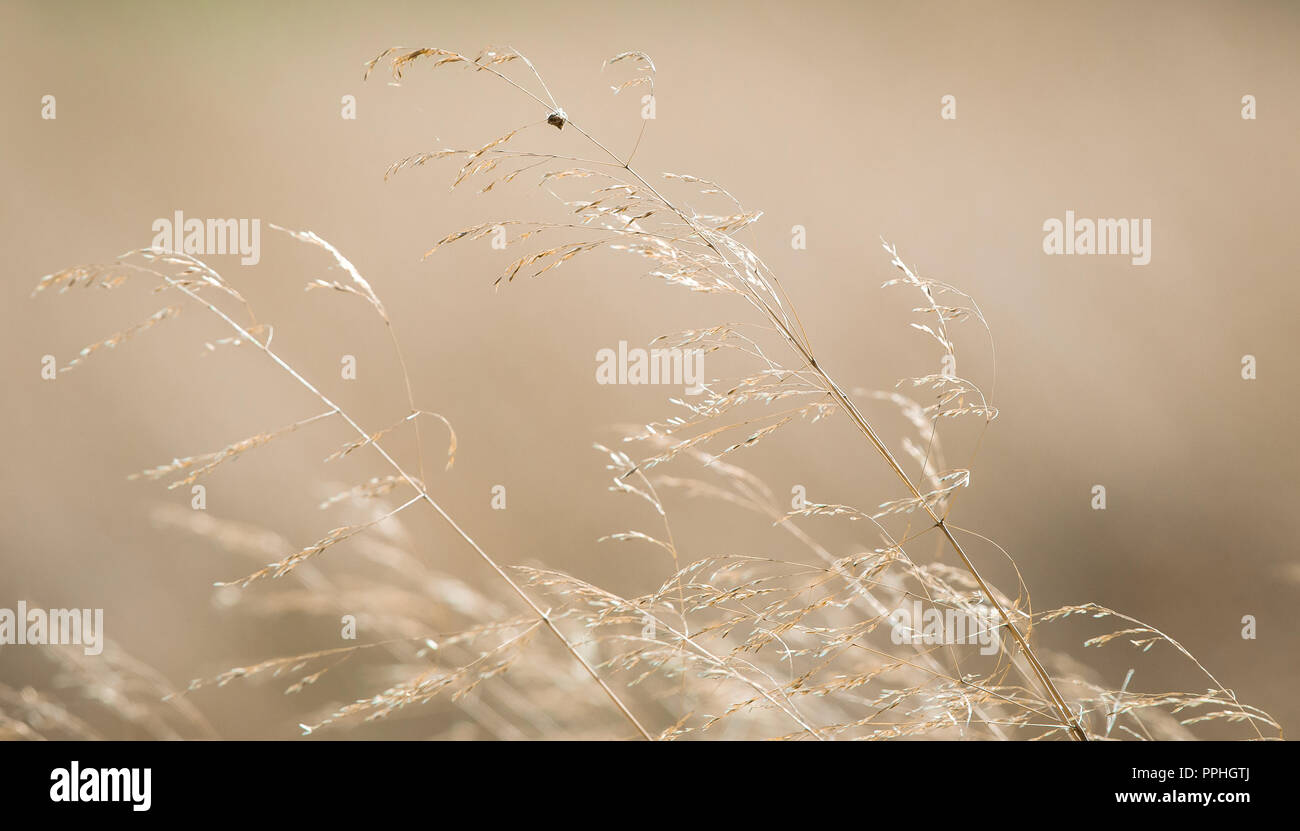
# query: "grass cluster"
805,645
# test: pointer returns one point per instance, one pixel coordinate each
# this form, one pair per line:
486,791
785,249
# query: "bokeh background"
821,114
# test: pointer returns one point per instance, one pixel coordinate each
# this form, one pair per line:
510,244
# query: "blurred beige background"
820,114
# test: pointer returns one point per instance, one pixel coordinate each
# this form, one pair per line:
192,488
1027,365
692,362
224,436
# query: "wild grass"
806,644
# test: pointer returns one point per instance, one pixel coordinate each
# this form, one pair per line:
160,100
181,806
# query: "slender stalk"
1076,730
